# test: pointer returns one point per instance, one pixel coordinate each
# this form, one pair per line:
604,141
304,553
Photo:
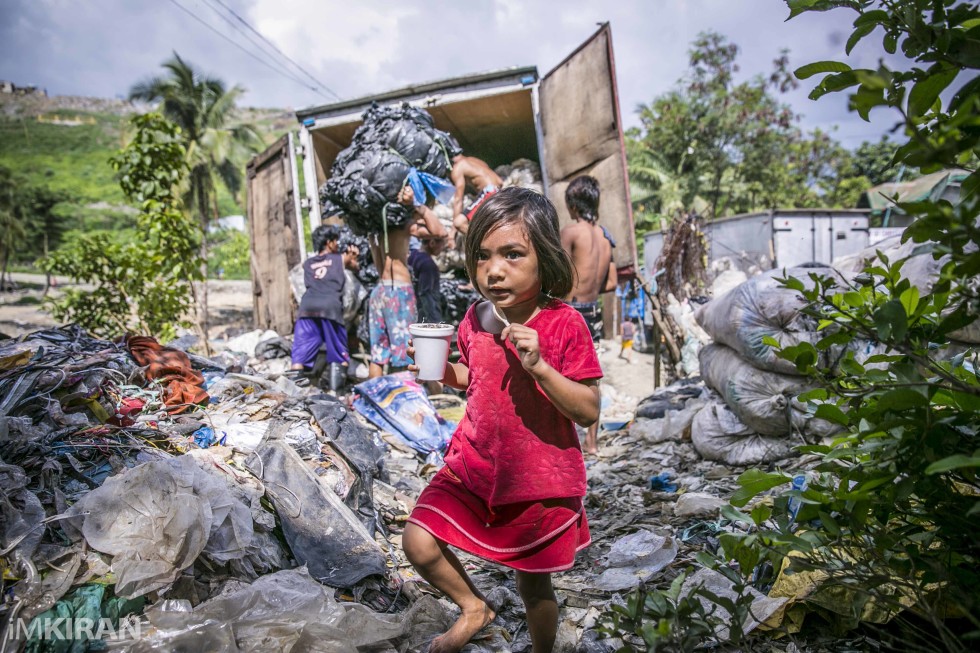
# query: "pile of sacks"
757,418
395,145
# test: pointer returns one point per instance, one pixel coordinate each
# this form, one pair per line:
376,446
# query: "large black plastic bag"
358,445
322,532
411,132
367,176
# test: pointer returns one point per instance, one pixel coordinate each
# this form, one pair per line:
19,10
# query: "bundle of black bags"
367,176
457,296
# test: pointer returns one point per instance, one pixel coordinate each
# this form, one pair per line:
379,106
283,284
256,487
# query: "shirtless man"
472,172
392,305
591,254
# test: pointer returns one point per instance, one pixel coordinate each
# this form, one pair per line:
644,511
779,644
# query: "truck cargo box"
568,121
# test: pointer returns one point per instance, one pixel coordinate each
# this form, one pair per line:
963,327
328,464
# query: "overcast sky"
358,47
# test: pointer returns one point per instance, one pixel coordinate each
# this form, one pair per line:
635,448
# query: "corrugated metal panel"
790,236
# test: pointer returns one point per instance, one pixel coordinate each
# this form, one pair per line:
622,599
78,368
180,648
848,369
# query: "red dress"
512,487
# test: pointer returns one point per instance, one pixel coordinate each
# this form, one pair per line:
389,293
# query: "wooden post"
656,355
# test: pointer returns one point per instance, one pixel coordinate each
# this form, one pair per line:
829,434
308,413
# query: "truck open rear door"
275,234
583,135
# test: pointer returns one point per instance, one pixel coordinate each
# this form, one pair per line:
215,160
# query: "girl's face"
507,271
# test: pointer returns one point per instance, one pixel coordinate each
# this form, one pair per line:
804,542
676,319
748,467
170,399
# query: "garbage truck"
568,121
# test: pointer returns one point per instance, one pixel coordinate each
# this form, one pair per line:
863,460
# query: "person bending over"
320,319
475,174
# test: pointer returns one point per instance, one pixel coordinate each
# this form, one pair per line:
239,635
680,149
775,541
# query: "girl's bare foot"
470,622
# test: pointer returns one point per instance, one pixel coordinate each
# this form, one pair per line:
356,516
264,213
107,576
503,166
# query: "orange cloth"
172,368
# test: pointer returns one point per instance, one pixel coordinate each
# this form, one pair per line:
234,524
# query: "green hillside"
66,157
64,144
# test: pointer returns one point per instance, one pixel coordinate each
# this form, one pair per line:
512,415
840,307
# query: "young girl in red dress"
512,487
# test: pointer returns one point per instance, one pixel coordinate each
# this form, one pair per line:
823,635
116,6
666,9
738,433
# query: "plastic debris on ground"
397,403
635,558
103,484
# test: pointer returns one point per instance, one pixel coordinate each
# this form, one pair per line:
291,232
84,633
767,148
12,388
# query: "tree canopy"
720,146
216,147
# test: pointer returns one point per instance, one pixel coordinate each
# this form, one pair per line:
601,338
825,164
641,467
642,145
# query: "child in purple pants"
320,320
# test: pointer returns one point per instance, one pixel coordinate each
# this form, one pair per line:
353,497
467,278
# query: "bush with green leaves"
230,254
659,620
143,284
889,515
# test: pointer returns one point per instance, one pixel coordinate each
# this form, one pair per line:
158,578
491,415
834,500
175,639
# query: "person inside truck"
426,274
392,304
320,320
595,272
470,172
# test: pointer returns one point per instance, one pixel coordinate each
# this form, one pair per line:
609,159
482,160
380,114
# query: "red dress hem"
534,536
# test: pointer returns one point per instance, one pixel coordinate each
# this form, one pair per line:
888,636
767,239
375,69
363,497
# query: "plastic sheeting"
635,559
21,513
761,609
718,434
762,307
764,401
367,176
287,611
321,531
361,450
157,518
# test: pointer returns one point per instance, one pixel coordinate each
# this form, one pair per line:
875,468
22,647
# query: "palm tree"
202,107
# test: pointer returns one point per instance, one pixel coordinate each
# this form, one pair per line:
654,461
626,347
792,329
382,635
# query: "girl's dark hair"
324,234
582,197
537,217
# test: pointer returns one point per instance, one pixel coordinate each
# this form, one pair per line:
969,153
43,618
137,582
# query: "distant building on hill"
14,89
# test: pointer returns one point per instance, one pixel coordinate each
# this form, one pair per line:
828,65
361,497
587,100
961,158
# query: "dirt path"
22,311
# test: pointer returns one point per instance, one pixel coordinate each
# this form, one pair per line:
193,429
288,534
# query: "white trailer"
777,238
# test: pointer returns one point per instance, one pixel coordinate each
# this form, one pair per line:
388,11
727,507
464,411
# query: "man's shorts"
487,193
628,344
311,332
593,317
391,308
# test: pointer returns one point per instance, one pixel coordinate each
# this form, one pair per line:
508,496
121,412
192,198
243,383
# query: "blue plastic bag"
424,184
397,403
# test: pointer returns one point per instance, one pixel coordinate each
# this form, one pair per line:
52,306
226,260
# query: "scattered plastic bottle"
794,503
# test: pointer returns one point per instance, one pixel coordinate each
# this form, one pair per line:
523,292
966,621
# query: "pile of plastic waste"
214,505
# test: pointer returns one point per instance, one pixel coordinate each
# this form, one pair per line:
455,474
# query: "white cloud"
316,34
360,47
